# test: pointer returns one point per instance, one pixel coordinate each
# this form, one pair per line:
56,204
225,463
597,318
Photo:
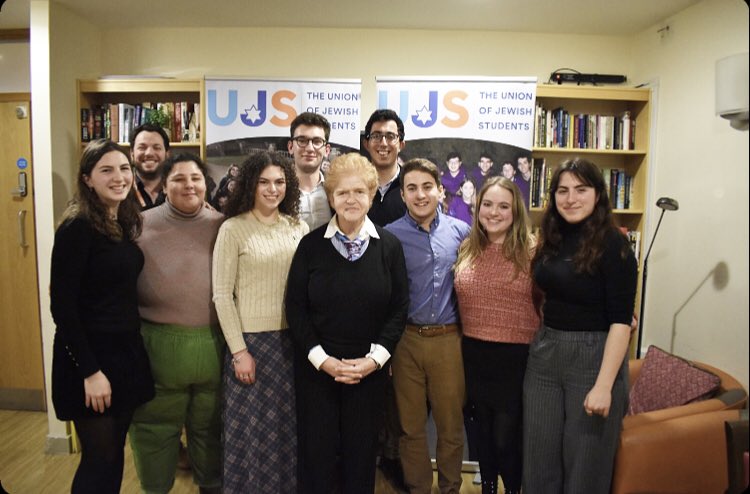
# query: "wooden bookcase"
136,91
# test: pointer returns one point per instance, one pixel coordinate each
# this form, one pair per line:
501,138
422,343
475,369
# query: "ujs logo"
450,110
253,113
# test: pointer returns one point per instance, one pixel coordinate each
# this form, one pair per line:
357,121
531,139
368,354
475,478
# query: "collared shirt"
144,198
384,188
378,353
368,230
430,257
313,206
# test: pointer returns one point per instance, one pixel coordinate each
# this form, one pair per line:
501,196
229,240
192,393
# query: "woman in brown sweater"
494,290
181,333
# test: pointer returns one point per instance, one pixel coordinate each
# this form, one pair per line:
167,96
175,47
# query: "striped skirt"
260,426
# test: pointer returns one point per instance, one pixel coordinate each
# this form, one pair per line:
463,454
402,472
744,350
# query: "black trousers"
337,423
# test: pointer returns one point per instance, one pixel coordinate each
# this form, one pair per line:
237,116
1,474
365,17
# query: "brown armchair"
679,449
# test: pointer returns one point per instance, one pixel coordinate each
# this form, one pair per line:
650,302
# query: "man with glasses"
383,140
309,147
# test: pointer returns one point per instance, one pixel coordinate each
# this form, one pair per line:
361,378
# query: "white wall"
703,163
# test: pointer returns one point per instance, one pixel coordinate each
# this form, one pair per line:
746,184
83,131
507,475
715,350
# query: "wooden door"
21,367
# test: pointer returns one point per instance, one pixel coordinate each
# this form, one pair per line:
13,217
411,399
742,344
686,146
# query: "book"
85,116
114,122
626,130
125,117
98,122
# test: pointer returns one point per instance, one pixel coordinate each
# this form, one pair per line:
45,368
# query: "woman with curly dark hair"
250,265
575,388
100,370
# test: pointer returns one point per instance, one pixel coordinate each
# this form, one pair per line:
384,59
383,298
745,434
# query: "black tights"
102,453
499,445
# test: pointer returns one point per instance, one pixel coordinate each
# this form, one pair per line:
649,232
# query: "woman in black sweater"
100,371
575,389
346,302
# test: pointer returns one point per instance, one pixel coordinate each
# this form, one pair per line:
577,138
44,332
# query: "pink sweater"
494,305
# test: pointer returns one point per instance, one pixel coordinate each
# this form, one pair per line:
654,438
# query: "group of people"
461,186
318,322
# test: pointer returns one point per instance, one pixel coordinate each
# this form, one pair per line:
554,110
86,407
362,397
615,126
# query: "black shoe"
394,473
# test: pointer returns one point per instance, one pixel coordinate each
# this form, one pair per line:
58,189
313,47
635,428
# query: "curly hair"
595,227
87,204
351,164
518,243
242,199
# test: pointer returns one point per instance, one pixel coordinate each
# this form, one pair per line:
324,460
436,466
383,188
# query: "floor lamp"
666,204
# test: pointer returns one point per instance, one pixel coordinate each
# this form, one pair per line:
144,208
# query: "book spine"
85,116
114,118
98,122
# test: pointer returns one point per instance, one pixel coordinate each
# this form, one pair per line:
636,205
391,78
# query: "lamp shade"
731,89
668,203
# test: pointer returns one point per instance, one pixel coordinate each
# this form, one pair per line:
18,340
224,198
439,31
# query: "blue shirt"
429,264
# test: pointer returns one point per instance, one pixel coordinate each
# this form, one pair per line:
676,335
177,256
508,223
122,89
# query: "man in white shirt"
309,146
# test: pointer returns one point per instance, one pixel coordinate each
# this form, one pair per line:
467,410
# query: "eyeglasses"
390,137
317,142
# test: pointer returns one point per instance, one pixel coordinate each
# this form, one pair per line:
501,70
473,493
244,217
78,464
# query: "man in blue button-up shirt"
427,364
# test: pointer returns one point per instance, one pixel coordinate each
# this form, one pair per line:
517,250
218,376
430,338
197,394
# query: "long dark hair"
594,229
242,199
86,203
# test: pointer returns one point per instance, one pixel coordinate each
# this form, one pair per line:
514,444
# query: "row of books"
559,129
619,185
116,121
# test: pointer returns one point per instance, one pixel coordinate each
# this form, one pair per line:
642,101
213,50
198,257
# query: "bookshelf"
103,93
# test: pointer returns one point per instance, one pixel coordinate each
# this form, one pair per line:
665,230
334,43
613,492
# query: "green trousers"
186,365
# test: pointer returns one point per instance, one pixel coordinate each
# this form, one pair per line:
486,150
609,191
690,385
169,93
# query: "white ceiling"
614,17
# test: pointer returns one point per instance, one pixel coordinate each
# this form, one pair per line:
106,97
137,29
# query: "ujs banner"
261,108
471,127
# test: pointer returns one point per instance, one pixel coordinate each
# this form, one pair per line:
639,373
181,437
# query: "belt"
429,330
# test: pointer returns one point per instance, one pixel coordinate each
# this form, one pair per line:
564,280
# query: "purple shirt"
459,209
452,184
524,186
478,178
429,264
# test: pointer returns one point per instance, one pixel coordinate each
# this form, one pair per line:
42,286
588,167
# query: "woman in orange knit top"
494,290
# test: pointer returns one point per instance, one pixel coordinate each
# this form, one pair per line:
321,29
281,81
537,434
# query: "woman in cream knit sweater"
250,265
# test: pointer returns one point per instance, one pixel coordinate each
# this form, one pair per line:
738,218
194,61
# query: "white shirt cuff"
379,354
317,356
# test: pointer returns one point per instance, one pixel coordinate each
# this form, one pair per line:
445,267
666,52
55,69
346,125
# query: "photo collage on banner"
471,128
244,116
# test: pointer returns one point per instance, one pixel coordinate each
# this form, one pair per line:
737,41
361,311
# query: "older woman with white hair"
346,303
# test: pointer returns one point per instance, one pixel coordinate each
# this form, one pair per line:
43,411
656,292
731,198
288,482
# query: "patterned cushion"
668,381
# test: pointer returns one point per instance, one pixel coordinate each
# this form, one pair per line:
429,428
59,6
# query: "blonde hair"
518,244
351,164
